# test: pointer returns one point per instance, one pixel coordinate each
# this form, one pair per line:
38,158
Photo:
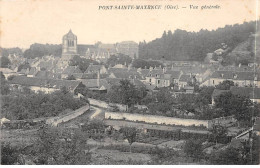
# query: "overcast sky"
24,22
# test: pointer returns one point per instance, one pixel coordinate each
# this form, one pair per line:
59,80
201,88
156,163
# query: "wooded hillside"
182,45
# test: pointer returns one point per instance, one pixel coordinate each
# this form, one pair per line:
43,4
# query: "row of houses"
240,78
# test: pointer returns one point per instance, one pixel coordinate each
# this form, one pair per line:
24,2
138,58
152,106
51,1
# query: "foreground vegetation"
20,106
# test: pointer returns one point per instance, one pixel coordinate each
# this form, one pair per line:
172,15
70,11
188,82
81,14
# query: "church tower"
69,46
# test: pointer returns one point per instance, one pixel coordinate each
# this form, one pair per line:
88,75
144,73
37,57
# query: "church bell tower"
69,46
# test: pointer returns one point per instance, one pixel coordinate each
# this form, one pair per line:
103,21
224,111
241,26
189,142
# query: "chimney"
239,65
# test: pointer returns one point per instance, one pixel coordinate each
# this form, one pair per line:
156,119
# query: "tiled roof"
51,83
185,78
71,70
121,66
155,73
78,75
94,68
43,74
69,35
174,74
93,83
26,81
235,75
116,81
110,70
144,72
113,81
89,76
193,70
127,75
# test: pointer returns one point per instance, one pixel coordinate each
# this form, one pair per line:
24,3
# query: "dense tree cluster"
126,93
61,147
53,146
183,45
239,106
119,59
5,62
82,63
5,89
28,106
6,51
225,85
40,50
245,154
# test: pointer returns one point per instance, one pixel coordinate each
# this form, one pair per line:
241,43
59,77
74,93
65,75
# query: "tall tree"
218,132
130,133
236,105
225,85
125,93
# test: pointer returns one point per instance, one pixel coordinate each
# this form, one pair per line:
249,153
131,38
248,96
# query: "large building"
128,48
69,46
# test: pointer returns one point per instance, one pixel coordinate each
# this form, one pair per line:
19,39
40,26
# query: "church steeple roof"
70,35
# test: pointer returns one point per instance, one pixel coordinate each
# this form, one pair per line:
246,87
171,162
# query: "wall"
67,117
98,103
156,119
37,89
103,104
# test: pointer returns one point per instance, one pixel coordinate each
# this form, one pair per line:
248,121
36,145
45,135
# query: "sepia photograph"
130,82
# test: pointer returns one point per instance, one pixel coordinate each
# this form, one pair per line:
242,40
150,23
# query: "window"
150,80
213,82
158,81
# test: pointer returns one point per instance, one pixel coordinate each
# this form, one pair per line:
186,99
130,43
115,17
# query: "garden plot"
116,155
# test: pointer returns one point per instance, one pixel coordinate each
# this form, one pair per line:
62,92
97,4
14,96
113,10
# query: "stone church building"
69,46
